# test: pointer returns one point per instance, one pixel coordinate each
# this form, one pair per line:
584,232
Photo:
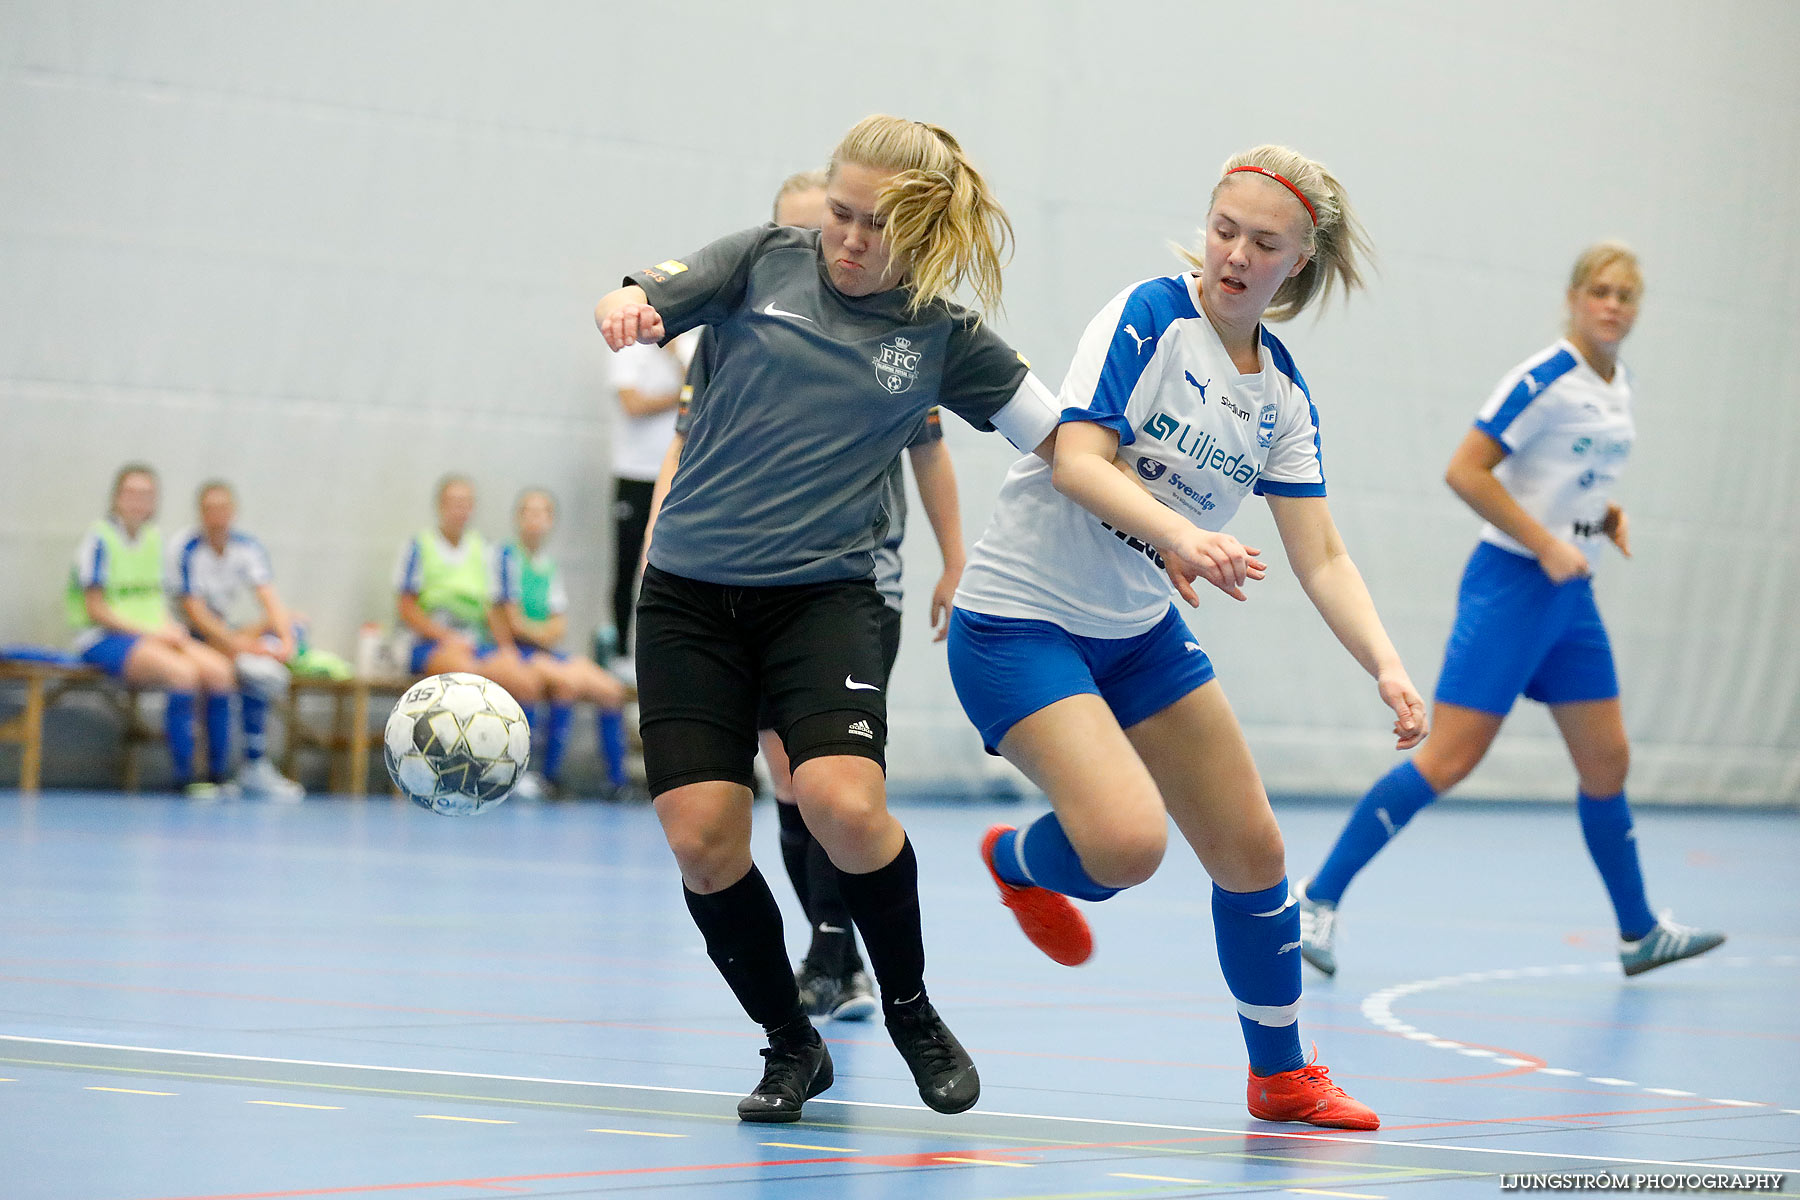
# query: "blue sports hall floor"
360,999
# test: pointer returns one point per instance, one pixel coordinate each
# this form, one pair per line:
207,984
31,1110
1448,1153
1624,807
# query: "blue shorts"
110,653
422,650
1519,634
1006,668
528,652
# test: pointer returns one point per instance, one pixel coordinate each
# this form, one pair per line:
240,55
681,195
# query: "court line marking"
1099,1122
131,1091
469,1120
1378,1010
638,1133
804,1146
1322,1192
1157,1178
977,1162
291,1104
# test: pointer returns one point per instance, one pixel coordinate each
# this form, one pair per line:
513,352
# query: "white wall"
332,250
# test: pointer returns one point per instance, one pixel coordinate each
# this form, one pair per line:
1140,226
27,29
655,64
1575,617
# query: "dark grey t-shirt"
811,397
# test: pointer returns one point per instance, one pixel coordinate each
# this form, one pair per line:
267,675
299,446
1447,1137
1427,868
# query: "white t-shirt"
1567,433
1200,435
639,443
226,581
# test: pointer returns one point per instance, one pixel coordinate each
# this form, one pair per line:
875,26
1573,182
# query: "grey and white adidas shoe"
1666,942
1318,929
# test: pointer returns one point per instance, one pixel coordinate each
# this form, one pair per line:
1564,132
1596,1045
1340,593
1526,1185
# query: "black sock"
794,840
885,903
742,928
833,933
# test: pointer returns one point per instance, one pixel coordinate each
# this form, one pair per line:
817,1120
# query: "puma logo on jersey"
859,687
825,928
769,310
1132,330
1197,384
1286,948
1387,822
1195,646
861,729
1532,386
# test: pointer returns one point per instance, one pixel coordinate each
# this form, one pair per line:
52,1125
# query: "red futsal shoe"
1049,919
1308,1095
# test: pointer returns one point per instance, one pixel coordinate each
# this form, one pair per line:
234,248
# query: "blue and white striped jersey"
1200,436
1567,433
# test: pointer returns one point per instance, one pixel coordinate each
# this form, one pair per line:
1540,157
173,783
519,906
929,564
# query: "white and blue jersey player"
1068,654
1539,467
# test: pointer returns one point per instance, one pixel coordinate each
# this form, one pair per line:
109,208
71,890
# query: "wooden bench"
346,738
47,682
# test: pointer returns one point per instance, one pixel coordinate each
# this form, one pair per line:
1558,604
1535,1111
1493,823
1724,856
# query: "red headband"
1282,180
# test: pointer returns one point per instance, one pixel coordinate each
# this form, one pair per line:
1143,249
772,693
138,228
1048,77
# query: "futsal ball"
456,743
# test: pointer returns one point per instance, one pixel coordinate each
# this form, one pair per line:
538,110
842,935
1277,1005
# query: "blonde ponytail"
941,224
1335,240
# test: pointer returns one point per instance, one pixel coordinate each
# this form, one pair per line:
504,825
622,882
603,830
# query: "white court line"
913,1109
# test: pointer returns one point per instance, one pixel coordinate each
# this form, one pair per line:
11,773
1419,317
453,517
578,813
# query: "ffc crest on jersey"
897,365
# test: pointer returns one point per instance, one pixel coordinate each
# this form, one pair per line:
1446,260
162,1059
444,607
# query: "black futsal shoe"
940,1066
793,1073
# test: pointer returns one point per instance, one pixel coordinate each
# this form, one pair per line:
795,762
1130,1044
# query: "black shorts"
707,653
890,650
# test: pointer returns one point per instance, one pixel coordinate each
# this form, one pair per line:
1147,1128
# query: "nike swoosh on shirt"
770,310
859,687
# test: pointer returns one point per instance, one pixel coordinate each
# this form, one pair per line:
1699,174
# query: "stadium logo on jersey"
1203,448
897,365
1201,387
1149,468
1265,426
1242,414
1132,331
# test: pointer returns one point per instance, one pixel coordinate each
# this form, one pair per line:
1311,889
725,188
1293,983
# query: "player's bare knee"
1603,771
1127,857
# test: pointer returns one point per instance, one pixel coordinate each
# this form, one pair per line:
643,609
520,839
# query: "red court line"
1623,1112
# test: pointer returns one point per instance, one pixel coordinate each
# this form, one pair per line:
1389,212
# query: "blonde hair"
1601,255
940,220
1336,244
528,493
801,181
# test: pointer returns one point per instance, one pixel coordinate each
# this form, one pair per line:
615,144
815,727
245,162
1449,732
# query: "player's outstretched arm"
1331,581
1083,471
625,316
936,477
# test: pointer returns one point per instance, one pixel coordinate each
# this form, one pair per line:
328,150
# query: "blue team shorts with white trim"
1517,633
422,649
527,651
110,653
1006,668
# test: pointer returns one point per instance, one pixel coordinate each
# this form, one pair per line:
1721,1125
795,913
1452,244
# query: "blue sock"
1040,856
178,728
1606,826
256,719
1259,952
613,746
1381,814
556,741
218,736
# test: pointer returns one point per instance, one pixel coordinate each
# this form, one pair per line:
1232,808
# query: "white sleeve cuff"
1030,416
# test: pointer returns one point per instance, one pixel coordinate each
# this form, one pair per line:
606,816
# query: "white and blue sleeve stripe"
1531,385
90,561
407,580
1284,362
1117,349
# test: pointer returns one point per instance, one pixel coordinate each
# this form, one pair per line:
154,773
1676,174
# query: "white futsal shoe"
260,778
1318,929
1666,942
